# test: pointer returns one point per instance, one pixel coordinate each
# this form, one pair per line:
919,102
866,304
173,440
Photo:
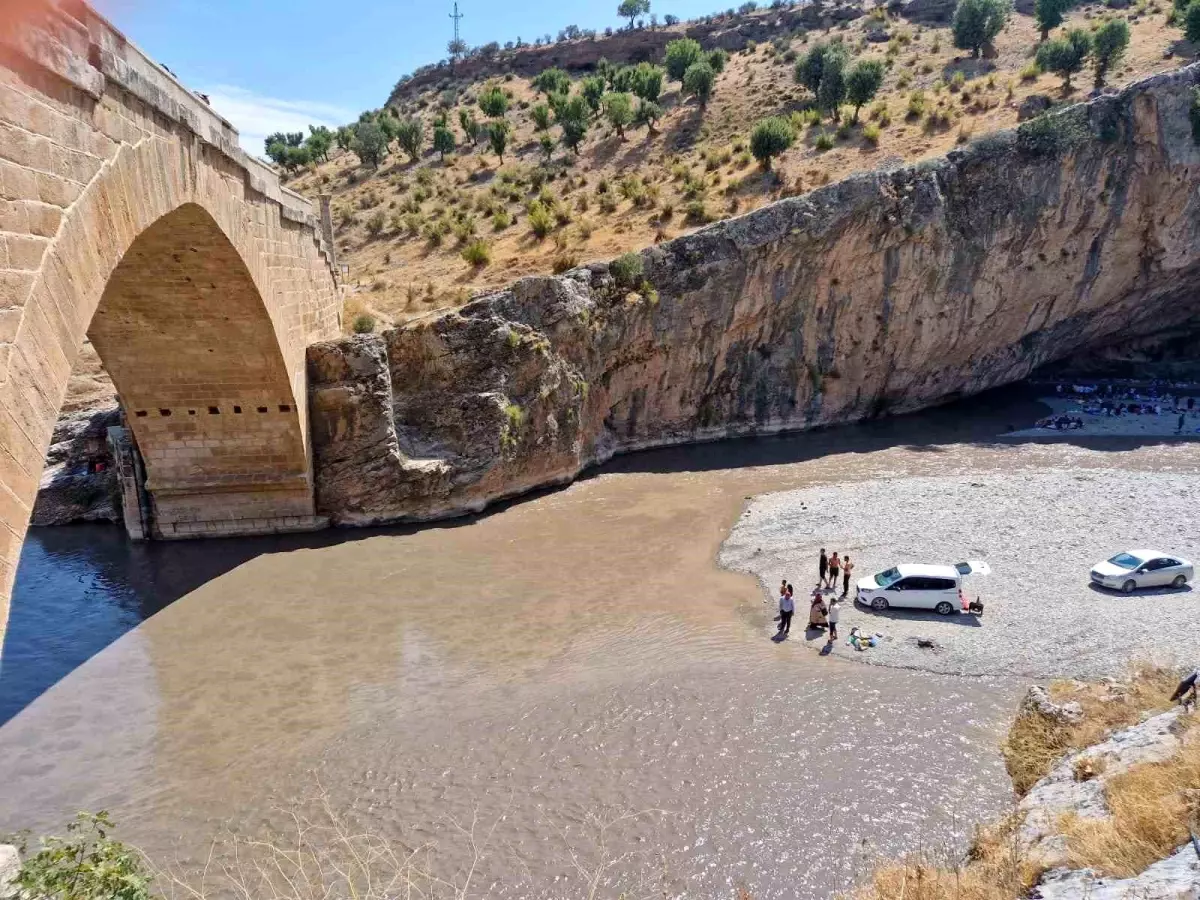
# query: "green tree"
493,101
698,81
1049,14
810,67
646,81
1191,22
832,90
455,48
770,138
592,90
717,60
443,140
277,152
647,113
680,55
498,133
369,144
977,22
618,109
389,124
469,125
541,116
552,81
547,144
319,142
1065,55
1108,46
87,863
863,82
297,158
344,137
631,9
573,116
410,134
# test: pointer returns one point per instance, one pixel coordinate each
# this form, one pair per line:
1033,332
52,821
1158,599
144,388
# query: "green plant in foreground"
364,324
770,137
85,865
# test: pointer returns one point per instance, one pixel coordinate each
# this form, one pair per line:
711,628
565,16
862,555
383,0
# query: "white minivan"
918,586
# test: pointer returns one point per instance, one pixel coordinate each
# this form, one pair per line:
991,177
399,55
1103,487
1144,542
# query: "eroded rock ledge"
887,292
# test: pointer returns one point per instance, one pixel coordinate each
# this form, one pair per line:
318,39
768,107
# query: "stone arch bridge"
128,214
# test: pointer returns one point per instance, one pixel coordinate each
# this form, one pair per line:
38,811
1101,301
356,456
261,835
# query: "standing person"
822,568
787,606
834,565
1179,427
835,613
847,568
783,586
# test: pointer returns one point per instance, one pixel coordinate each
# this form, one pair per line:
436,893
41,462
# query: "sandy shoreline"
1040,531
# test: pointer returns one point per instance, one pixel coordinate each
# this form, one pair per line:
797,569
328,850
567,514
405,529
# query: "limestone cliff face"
884,293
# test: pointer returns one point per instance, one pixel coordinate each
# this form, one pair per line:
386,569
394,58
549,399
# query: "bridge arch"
129,214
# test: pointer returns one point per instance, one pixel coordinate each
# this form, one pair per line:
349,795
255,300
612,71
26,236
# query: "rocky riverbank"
1040,531
887,292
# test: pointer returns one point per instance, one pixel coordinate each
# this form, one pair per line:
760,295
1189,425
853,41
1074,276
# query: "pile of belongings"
860,641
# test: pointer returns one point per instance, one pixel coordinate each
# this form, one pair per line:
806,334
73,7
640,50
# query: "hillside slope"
621,195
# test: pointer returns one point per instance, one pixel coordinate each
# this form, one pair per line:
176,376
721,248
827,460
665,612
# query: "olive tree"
618,109
770,138
631,9
1049,14
863,82
698,81
410,135
1065,55
1109,43
681,54
977,22
443,140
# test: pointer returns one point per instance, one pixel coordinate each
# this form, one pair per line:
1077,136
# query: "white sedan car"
1135,569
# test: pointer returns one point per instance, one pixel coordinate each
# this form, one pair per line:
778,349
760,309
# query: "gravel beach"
1040,531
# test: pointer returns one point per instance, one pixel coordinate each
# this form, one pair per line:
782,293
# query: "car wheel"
1128,587
944,608
1180,581
879,604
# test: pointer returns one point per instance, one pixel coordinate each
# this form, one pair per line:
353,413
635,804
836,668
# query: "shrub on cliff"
977,22
770,137
626,270
363,324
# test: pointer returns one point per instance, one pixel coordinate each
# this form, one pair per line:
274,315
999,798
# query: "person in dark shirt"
822,568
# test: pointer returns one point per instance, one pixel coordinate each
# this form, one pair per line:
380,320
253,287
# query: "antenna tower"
456,15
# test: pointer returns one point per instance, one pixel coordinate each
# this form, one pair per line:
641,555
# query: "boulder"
1033,105
1037,701
933,12
1175,878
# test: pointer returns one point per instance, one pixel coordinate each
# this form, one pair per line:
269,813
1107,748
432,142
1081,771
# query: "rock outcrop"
77,484
1175,878
884,293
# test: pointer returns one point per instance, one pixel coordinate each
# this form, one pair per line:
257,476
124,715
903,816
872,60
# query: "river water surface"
570,677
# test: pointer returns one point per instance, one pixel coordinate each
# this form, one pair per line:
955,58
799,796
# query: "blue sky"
272,65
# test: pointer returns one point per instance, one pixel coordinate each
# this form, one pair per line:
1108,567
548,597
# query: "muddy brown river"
570,680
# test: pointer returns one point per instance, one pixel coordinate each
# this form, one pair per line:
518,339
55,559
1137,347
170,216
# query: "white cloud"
256,116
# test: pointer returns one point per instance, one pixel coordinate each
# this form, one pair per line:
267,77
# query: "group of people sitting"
1061,423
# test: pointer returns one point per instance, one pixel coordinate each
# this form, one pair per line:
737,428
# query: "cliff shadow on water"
885,293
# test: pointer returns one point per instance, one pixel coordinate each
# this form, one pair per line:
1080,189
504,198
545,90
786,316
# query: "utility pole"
456,43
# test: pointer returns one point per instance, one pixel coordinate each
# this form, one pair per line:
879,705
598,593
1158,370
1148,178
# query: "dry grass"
1153,805
1035,743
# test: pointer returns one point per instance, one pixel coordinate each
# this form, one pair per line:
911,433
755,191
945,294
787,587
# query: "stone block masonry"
129,213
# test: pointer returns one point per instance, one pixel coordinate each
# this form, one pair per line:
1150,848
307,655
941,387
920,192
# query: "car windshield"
1126,561
883,579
